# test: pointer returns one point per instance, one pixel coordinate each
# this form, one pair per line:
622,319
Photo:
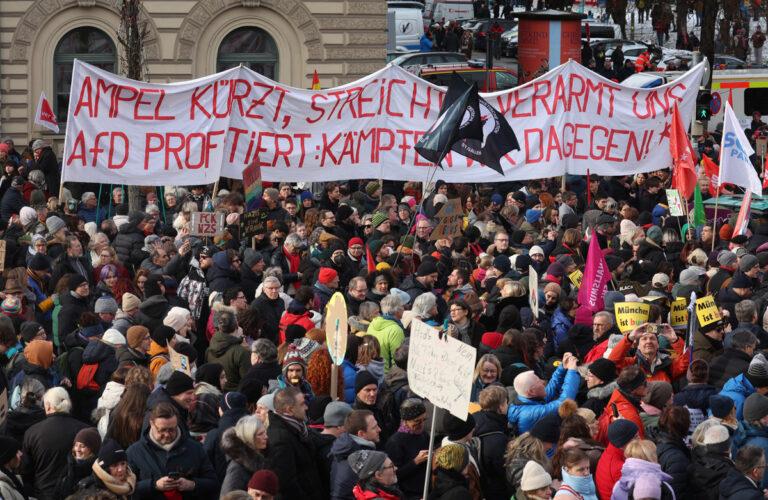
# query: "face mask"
338,260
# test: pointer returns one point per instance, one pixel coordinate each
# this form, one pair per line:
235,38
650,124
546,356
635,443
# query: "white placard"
206,223
440,369
533,291
675,202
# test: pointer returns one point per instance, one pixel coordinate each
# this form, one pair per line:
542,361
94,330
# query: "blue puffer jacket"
738,389
563,385
350,371
750,435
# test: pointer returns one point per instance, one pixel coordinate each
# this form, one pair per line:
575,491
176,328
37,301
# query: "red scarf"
293,265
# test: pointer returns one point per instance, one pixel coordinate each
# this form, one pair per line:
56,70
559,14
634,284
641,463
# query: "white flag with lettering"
735,165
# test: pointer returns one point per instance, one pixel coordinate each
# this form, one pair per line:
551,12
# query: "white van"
448,10
409,23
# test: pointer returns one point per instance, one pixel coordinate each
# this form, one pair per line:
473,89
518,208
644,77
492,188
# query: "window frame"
234,59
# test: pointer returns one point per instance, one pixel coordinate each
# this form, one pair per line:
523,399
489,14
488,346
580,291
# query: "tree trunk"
708,20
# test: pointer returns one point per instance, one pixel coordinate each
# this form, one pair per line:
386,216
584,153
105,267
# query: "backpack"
86,377
476,448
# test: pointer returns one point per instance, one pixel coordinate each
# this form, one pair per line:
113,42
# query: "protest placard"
707,312
252,184
630,315
576,277
122,131
675,202
336,327
2,255
533,291
678,312
440,369
254,222
179,361
206,223
450,220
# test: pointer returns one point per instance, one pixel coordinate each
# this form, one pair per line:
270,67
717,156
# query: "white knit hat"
177,318
113,337
534,477
716,434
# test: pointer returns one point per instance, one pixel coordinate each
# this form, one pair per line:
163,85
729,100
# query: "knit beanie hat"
306,347
177,318
534,477
364,378
75,281
89,437
547,428
39,262
452,457
162,335
96,330
720,406
456,428
294,332
264,480
716,434
621,432
344,212
111,453
412,408
747,263
28,331
54,224
755,407
365,463
232,400
178,383
658,394
8,449
130,302
426,268
378,219
372,187
105,304
10,306
654,234
40,353
647,485
326,275
757,373
726,231
335,413
726,258
113,337
135,335
292,357
604,369
502,263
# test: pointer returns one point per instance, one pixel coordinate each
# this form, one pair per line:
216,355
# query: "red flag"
683,158
594,283
44,115
369,259
315,81
712,170
742,220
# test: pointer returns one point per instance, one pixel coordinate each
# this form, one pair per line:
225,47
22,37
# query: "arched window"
88,44
252,47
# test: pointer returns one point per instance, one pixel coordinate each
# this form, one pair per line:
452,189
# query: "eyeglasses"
367,226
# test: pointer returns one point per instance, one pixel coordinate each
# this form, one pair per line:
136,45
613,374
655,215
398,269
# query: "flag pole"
714,220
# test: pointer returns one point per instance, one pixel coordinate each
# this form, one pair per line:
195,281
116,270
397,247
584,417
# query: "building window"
251,47
88,44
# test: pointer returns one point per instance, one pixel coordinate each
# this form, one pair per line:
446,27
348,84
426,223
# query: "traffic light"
703,110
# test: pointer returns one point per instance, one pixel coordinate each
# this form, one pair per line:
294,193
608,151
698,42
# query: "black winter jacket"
71,308
291,456
736,486
152,312
708,469
270,312
402,448
213,440
491,431
150,462
46,447
128,244
243,462
674,459
727,365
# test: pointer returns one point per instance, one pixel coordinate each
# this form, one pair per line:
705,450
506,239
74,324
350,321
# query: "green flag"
699,217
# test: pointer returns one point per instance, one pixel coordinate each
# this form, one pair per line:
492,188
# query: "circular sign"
716,103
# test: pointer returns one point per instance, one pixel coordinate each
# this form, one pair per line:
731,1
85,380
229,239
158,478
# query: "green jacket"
390,335
228,351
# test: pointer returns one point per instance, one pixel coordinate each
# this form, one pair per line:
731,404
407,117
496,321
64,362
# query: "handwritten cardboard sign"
252,184
678,313
707,312
440,369
206,223
675,203
451,220
254,222
336,327
630,315
179,362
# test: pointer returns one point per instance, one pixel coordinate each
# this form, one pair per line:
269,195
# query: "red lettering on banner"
336,94
155,115
260,149
553,144
370,134
314,107
326,150
235,140
560,97
593,144
348,149
197,95
239,97
529,142
96,150
423,104
285,153
148,148
111,164
255,103
123,93
403,146
78,150
389,96
190,146
541,96
418,160
84,99
612,144
361,101
349,103
302,147
171,149
379,148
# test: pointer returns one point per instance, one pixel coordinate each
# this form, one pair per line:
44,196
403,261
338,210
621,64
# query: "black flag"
459,120
498,139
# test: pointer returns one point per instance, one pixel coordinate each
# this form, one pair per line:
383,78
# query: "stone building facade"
287,40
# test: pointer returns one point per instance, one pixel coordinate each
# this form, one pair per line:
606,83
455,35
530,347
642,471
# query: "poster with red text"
567,120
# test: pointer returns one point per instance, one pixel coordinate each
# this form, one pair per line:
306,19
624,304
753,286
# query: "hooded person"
227,348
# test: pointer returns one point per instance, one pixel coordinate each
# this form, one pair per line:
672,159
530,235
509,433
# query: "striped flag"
742,221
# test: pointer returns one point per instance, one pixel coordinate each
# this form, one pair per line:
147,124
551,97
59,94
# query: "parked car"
413,59
488,80
480,29
723,61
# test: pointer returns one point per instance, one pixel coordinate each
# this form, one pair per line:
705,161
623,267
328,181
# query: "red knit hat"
355,241
264,480
327,275
726,231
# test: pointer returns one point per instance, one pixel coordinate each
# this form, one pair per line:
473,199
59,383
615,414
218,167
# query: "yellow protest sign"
678,312
576,278
630,315
707,311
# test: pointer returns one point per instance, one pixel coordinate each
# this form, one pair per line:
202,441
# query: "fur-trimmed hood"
240,452
602,391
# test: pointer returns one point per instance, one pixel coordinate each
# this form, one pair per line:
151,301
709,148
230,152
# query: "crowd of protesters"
141,362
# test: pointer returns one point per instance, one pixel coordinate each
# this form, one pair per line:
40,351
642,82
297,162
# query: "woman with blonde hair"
245,445
520,451
641,464
369,357
487,373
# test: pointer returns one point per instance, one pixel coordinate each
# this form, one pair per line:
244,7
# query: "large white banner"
569,120
440,369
